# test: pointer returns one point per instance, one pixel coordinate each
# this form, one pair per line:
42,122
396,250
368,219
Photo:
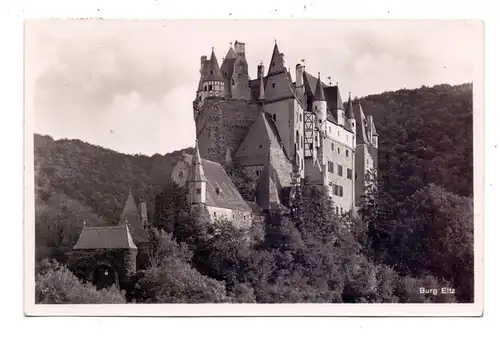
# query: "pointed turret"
319,104
350,120
213,73
231,54
197,182
361,136
277,64
130,217
319,95
129,210
197,174
350,111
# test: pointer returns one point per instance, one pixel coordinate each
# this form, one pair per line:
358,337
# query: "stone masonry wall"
122,261
225,124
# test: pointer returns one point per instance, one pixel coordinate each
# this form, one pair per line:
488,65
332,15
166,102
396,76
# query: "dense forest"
416,231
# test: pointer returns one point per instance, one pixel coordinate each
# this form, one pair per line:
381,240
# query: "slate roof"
197,174
349,114
319,94
361,137
107,237
262,132
333,99
310,83
212,73
130,216
228,196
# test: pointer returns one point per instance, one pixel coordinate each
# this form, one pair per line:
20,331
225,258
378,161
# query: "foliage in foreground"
55,284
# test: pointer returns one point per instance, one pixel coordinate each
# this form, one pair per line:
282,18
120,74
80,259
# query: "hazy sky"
129,85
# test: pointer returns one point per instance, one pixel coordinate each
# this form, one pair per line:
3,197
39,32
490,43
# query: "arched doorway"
104,276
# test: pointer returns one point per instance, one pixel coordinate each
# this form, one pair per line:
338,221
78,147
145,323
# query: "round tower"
212,84
319,104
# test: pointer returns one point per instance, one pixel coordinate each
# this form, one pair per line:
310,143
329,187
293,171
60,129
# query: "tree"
176,281
162,245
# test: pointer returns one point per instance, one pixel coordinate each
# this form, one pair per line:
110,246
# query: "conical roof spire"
197,172
350,111
213,73
231,54
319,95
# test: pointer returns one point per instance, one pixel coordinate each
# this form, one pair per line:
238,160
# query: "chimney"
203,59
299,75
239,48
260,70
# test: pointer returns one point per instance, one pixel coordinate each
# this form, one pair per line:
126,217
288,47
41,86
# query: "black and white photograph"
256,162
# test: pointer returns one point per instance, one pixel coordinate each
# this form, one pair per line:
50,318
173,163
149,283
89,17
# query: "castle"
278,130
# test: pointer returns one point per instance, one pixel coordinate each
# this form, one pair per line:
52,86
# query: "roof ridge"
100,227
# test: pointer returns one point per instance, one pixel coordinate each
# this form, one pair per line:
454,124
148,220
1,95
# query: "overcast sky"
129,85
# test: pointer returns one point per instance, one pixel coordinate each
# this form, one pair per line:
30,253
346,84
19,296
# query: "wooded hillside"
418,227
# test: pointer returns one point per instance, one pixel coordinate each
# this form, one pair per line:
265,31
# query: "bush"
55,284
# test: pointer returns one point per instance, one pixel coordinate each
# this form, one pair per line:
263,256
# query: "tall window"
337,210
330,167
339,170
198,191
333,148
210,87
341,191
347,153
349,173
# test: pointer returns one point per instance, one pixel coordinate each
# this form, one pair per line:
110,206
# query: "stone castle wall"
222,125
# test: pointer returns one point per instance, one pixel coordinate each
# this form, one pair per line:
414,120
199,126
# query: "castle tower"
319,105
211,82
197,183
